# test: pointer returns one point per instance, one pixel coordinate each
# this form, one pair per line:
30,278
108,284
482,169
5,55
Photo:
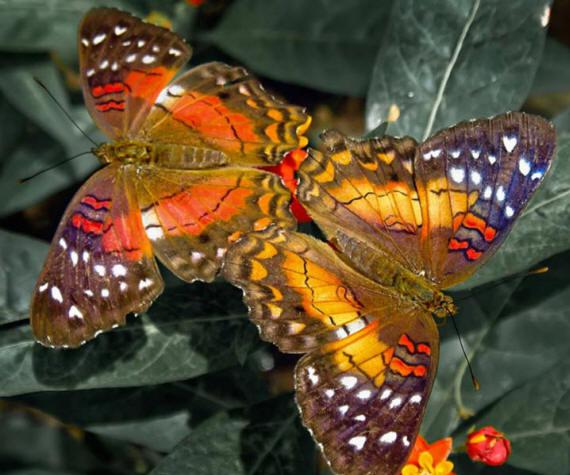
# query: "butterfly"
178,184
403,221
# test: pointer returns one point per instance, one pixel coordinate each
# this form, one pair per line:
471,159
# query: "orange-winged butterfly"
178,182
404,220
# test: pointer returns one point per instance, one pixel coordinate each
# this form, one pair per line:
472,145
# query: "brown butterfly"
178,181
405,221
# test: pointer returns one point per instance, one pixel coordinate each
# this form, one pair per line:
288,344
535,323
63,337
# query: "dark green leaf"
282,40
562,122
542,230
536,418
21,259
553,74
275,442
445,61
214,447
509,346
188,332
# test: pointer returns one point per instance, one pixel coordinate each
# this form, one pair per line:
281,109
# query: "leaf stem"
449,69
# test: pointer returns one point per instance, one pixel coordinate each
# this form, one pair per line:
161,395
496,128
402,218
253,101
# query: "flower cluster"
486,445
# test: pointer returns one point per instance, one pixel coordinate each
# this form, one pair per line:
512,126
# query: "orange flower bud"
488,446
429,459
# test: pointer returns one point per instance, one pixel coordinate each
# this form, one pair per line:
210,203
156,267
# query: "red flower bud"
286,170
488,446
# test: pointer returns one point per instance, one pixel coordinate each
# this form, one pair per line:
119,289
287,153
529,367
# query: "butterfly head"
124,152
442,306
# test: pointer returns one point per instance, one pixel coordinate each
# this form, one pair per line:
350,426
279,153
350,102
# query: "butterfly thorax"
124,152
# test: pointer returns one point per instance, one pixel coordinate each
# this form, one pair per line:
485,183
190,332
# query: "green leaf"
188,332
553,74
445,61
213,447
542,230
32,26
157,417
21,259
536,419
275,442
282,40
562,122
511,339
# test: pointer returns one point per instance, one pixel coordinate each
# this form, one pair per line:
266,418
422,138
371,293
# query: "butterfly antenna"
62,109
496,283
24,180
474,380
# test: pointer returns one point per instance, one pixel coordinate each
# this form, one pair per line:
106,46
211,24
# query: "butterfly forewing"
215,106
363,397
125,63
191,216
100,265
365,188
474,179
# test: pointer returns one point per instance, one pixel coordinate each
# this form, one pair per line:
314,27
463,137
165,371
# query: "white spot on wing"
389,437
85,41
75,312
148,59
364,394
130,58
123,286
105,293
104,64
397,401
144,283
329,393
492,159
455,153
500,194
88,292
176,90
174,52
536,175
196,257
475,177
62,243
475,153
406,441
348,381
43,287
141,43
510,143
509,211
360,418
155,48
119,30
85,256
312,375
119,270
385,394
56,294
90,72
74,258
343,409
100,269
488,192
99,38
524,166
154,233
416,399
457,174
358,442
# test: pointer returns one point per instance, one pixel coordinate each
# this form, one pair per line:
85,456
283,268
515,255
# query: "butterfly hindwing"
363,397
474,179
299,292
100,265
125,63
216,106
191,216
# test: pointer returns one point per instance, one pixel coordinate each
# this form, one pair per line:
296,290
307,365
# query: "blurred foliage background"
189,387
